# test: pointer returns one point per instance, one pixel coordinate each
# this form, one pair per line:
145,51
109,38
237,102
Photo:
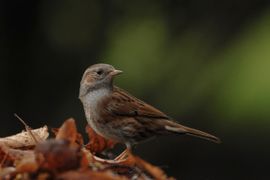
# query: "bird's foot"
108,161
119,159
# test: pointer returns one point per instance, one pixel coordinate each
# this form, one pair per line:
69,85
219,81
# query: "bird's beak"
116,72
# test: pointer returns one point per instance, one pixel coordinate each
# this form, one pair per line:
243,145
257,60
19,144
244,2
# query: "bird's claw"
119,159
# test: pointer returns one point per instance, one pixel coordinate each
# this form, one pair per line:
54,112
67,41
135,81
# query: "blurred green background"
205,63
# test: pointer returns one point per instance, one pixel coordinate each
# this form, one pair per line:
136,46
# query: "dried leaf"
23,139
79,138
127,171
68,131
15,155
65,158
5,158
137,167
103,175
58,155
154,171
7,172
25,160
27,164
97,143
85,159
43,176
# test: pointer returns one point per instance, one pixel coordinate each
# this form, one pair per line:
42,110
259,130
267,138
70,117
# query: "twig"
28,128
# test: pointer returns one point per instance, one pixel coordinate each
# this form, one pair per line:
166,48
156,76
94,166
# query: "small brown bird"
115,114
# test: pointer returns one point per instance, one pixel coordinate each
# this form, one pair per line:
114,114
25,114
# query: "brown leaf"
79,138
68,131
27,164
154,171
58,155
97,143
25,160
14,155
7,173
5,158
65,158
134,166
123,170
85,159
103,175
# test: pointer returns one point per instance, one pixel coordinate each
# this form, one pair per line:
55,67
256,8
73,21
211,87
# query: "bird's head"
97,76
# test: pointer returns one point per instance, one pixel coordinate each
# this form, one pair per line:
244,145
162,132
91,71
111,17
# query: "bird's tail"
178,128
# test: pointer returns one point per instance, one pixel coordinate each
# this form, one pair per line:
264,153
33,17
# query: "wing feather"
124,104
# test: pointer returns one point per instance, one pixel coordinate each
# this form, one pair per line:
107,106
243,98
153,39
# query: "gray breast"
90,102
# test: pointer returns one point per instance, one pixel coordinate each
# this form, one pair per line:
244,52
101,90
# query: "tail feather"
178,128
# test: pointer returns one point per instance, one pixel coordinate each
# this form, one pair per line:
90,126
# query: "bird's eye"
99,72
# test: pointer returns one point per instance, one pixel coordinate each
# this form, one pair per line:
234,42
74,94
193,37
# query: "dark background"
205,63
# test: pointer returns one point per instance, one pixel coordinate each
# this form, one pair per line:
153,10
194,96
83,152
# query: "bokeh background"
205,63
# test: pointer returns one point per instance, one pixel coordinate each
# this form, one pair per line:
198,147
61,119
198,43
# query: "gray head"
97,76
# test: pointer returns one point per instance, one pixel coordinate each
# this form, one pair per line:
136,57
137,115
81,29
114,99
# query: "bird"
117,115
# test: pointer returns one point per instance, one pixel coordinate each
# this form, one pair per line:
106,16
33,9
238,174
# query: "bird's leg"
119,159
112,161
107,161
125,153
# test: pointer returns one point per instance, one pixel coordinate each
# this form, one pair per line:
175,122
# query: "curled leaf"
106,175
97,143
58,155
24,139
65,157
68,131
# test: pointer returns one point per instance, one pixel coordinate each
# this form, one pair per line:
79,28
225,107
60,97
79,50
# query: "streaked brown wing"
124,104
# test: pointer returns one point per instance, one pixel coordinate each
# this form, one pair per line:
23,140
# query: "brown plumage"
117,115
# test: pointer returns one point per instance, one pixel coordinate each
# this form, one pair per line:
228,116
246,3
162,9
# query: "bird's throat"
94,96
91,103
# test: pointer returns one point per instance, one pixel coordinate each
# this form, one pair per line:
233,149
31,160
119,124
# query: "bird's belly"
122,131
105,130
